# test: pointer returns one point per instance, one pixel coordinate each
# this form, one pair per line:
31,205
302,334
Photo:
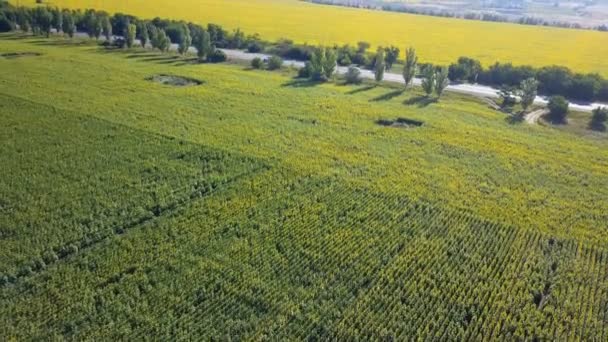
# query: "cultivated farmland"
438,40
252,205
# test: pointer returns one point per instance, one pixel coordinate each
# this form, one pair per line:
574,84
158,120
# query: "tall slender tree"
410,66
24,20
57,19
153,32
163,41
317,61
527,92
428,80
43,20
441,81
391,54
130,34
68,26
380,65
106,26
144,35
93,24
203,45
185,40
330,62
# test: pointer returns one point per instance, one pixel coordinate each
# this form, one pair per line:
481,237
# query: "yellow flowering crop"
438,40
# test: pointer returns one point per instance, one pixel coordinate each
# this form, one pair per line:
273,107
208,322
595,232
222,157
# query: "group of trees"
410,66
465,69
273,63
552,80
323,62
346,55
434,80
598,119
526,91
359,55
321,66
558,109
39,20
124,30
558,105
380,65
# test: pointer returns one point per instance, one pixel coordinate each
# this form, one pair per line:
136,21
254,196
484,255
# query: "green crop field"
256,206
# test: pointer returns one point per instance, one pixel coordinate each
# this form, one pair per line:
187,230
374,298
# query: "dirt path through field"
533,117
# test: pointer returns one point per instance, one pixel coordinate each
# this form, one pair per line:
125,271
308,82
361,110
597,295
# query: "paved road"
465,88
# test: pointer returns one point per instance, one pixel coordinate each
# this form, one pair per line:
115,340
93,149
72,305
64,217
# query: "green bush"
274,63
305,71
600,114
558,108
217,56
5,24
255,47
257,63
599,118
353,75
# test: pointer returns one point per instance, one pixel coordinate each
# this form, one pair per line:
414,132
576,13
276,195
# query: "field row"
283,257
464,156
99,179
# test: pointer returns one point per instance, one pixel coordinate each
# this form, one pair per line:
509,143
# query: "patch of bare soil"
173,80
533,117
400,122
13,55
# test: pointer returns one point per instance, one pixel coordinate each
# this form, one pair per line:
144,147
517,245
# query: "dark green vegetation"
552,80
174,80
558,109
598,119
257,206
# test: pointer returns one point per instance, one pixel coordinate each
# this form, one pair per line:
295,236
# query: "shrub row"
553,80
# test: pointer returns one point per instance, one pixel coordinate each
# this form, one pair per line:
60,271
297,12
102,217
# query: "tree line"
125,30
405,8
553,80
